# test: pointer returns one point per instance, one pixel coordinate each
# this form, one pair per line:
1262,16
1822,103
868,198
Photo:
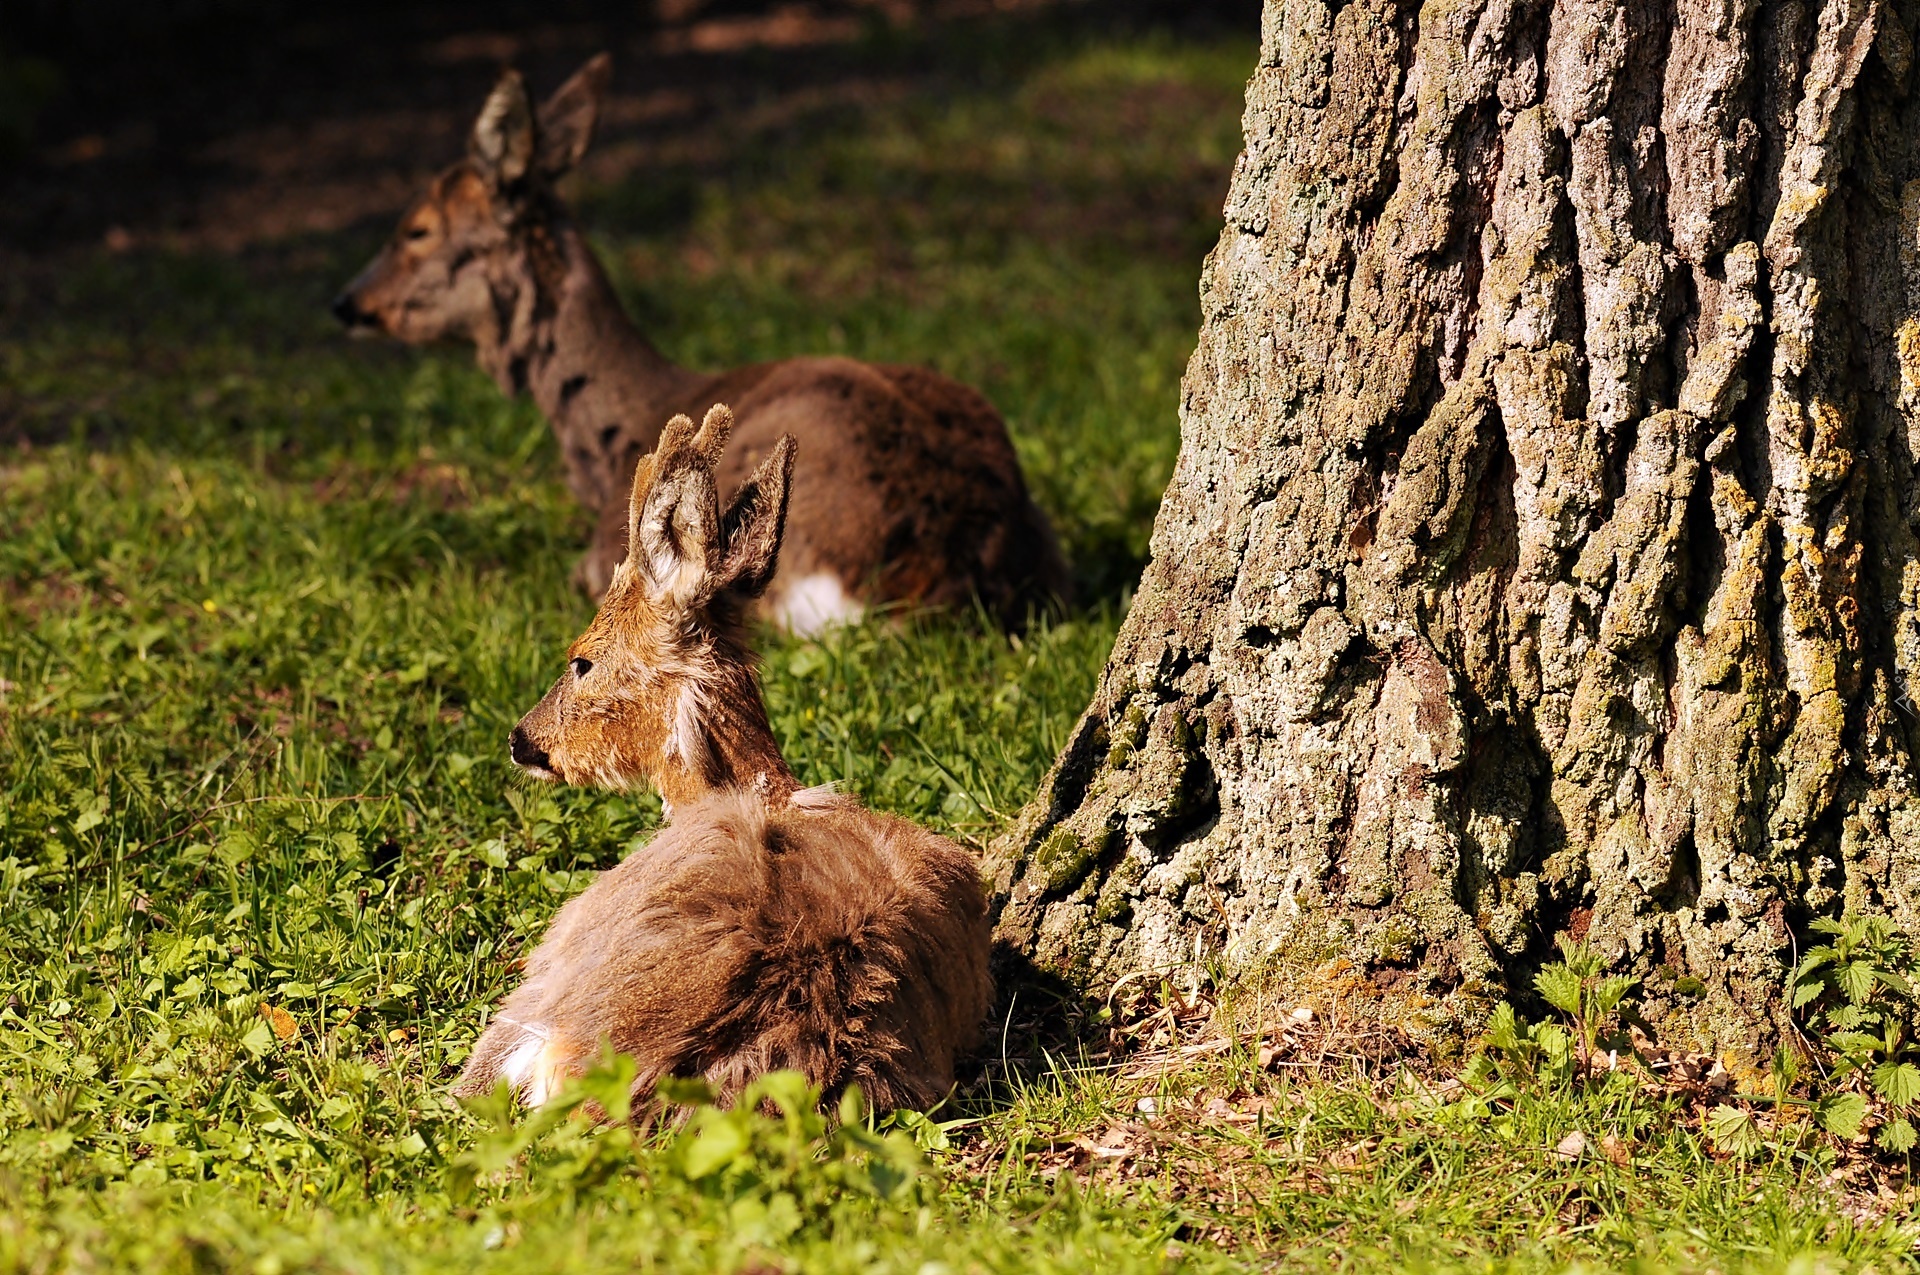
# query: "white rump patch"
528,1069
816,602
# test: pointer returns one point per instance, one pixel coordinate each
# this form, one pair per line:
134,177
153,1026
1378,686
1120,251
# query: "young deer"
909,488
766,926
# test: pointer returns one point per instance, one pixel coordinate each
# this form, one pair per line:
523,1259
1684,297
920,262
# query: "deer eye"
580,668
416,233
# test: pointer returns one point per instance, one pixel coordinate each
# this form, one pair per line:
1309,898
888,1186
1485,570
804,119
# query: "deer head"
465,259
661,686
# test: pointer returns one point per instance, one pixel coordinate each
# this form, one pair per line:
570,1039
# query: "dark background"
219,124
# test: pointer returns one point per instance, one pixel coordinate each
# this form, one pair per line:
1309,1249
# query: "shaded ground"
1018,195
245,128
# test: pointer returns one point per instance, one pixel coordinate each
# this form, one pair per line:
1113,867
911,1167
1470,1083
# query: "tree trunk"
1541,557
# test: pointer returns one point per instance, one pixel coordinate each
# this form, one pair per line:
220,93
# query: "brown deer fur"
766,926
909,490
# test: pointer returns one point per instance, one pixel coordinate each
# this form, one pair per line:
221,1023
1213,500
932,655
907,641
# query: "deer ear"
673,528
567,118
754,524
501,146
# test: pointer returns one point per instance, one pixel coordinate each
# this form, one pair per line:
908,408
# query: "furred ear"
501,146
754,524
567,118
673,527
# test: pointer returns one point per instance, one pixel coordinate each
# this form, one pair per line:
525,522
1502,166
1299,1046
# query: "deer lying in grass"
766,926
909,488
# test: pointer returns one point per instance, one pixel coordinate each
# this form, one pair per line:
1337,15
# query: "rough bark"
1541,553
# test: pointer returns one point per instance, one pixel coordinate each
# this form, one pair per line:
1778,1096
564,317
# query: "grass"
272,601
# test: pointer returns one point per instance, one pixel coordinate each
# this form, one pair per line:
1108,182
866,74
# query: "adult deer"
766,926
909,489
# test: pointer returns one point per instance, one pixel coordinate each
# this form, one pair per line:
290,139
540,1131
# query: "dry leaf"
1116,1142
284,1028
1616,1149
1572,1147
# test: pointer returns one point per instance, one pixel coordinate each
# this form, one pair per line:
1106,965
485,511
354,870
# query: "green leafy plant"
772,1159
1736,1130
1518,1057
1579,986
1515,1054
1859,990
569,1165
777,1161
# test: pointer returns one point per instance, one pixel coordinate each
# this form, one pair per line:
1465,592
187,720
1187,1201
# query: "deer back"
749,937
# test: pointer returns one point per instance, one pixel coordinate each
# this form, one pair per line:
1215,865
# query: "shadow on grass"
1020,200
1039,1021
164,121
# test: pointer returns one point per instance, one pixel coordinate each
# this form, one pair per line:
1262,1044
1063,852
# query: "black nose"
348,311
524,751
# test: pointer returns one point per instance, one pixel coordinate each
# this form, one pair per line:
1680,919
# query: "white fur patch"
529,1069
687,733
816,602
819,797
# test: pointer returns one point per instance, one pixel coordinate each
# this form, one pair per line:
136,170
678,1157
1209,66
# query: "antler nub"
711,441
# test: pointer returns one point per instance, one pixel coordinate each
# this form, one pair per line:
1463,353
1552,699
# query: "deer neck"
569,343
721,741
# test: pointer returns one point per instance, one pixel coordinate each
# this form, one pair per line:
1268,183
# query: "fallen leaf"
1116,1142
1616,1149
284,1028
1571,1147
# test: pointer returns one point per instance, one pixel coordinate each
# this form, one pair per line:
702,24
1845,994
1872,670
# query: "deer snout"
525,752
346,308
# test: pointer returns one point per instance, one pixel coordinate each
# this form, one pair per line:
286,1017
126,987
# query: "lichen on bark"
1541,554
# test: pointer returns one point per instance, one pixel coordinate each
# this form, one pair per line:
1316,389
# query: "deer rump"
746,938
907,489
